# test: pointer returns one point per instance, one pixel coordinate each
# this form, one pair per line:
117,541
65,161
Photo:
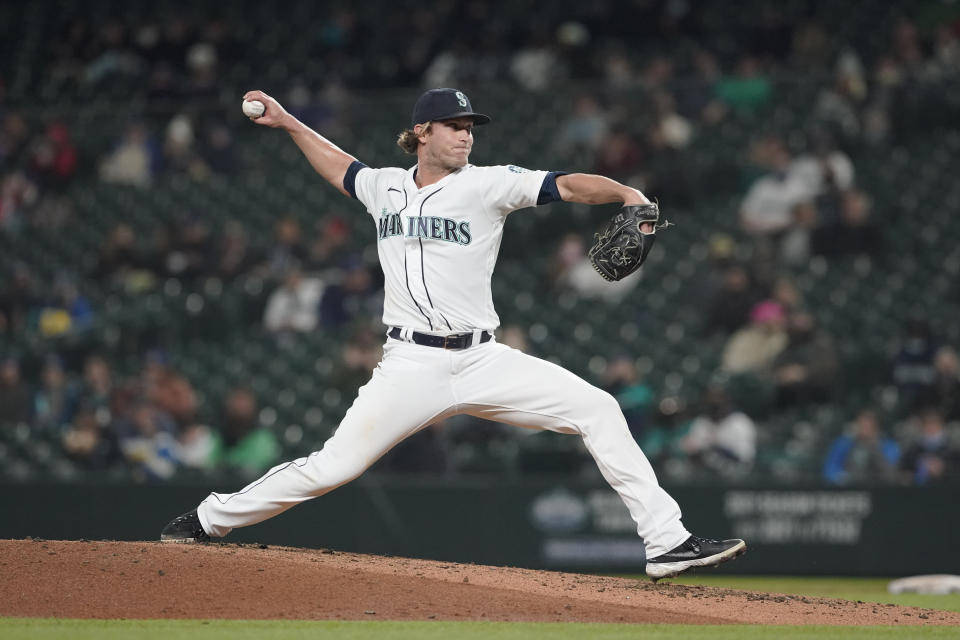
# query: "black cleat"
185,528
695,552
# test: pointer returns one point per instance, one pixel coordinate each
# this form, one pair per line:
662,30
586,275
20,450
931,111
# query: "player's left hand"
623,244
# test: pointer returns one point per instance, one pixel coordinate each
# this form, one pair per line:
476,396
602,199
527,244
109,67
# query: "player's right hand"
274,114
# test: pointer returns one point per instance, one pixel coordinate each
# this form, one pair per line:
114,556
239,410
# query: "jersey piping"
423,271
406,273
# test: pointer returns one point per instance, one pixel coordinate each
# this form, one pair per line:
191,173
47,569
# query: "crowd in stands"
801,201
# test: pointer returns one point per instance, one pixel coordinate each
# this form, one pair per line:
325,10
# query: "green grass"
48,629
866,589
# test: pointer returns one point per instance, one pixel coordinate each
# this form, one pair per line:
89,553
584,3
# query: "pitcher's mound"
152,580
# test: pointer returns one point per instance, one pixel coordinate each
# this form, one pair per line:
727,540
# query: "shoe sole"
661,570
181,540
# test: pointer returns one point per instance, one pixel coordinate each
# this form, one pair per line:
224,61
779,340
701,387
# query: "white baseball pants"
415,386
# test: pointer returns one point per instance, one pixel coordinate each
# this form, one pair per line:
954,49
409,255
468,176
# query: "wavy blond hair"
407,140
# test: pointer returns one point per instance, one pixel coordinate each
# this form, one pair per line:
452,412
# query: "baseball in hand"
253,108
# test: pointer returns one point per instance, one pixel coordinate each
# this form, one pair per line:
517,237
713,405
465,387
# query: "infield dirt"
106,579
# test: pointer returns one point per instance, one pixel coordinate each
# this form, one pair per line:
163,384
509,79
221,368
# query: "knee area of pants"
607,403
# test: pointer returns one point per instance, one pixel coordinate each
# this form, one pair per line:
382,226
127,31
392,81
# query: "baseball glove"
622,245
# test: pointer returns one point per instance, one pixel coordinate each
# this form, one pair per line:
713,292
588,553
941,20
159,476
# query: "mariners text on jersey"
438,244
392,225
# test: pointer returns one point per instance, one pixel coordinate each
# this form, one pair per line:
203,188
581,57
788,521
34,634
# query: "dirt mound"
104,579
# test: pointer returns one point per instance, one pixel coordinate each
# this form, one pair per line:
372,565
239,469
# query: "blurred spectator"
767,208
121,263
863,454
697,99
514,336
673,129
721,438
161,245
945,62
535,66
168,391
197,446
854,233
721,250
635,397
657,73
14,138
572,271
785,293
944,394
754,348
295,305
361,355
162,85
795,244
318,111
663,440
355,296
219,152
748,90
913,368
668,173
179,151
201,59
16,404
811,46
585,129
118,252
148,443
54,158
933,455
331,242
422,453
728,307
191,254
906,45
243,445
887,92
770,35
806,370
617,69
52,212
97,386
824,169
618,156
113,54
235,256
69,311
288,248
134,161
838,107
89,444
55,400
18,300
18,194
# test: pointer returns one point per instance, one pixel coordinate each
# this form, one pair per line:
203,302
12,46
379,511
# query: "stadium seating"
213,330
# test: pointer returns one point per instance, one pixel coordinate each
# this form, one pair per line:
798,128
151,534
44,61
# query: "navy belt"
456,341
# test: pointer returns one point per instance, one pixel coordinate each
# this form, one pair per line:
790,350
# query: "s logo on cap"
461,99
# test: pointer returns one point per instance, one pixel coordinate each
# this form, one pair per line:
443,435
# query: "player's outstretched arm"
587,188
329,160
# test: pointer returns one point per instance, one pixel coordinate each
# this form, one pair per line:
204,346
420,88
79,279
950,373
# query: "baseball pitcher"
438,228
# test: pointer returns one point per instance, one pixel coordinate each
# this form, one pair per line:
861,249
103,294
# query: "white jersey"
438,245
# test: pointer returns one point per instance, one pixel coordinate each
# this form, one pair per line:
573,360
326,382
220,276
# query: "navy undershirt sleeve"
350,177
549,192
